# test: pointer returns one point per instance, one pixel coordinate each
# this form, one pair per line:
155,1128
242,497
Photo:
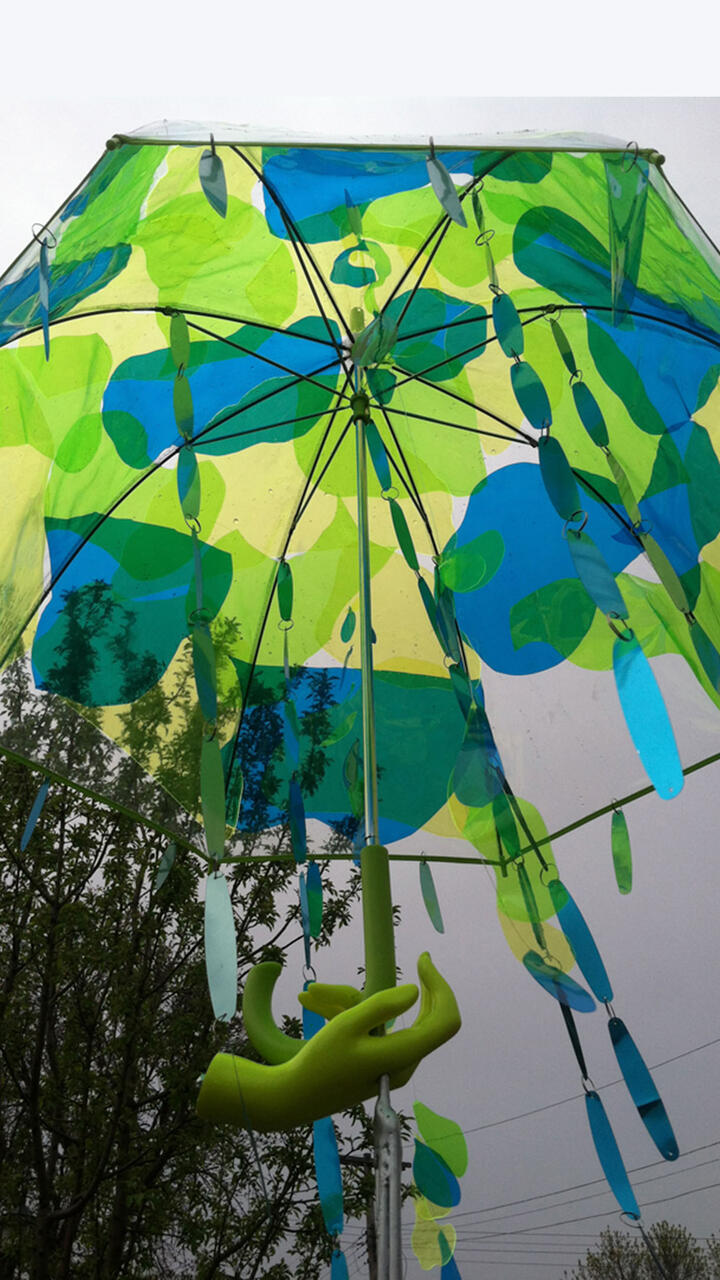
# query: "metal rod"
388,1153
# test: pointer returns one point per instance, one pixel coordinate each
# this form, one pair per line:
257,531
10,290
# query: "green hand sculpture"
340,1066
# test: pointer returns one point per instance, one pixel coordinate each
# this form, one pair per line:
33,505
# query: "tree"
671,1252
105,1020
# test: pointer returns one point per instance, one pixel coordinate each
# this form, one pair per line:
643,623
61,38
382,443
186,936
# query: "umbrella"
409,447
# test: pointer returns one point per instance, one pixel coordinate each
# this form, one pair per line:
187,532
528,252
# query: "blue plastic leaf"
348,626
220,947
315,899
564,989
329,1177
44,296
530,395
444,188
212,796
212,180
298,833
429,894
285,591
35,812
707,653
165,865
621,852
558,478
433,1177
646,718
642,1090
378,455
203,651
609,1155
590,414
188,483
338,1266
508,329
291,733
450,1271
311,1022
573,925
595,574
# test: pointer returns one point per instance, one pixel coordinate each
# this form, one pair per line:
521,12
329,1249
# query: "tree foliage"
106,1023
671,1253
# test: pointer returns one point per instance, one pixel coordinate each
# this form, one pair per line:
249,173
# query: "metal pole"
366,653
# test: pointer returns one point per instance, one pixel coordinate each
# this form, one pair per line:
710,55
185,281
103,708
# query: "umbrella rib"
273,585
298,242
166,455
248,351
458,426
477,346
272,426
453,395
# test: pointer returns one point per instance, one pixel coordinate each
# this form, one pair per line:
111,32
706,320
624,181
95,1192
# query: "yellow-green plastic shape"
340,1066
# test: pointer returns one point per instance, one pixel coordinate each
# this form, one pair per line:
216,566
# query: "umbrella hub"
360,405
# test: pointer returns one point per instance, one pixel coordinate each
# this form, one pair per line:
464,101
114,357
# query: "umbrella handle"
378,928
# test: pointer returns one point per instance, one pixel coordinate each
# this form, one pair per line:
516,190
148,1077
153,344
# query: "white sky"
71,78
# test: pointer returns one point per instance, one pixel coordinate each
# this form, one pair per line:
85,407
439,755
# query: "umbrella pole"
378,926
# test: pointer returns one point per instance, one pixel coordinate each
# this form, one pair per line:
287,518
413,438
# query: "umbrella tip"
113,143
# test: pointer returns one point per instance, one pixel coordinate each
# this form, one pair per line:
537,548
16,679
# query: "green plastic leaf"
212,796
298,833
443,1136
381,384
429,895
179,340
506,826
444,188
590,414
563,346
434,1177
44,296
461,687
183,406
203,651
212,180
188,483
285,591
348,627
378,455
374,343
624,488
35,812
315,899
506,322
472,565
707,654
595,574
402,533
220,947
531,907
233,795
447,621
530,395
665,572
165,864
621,851
558,478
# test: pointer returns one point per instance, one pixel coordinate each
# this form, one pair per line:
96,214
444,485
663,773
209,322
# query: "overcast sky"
70,80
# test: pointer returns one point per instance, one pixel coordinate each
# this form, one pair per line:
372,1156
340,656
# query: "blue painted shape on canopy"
609,1155
312,183
19,301
642,1089
536,555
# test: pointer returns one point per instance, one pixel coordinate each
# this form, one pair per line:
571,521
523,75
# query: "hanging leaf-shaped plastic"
298,833
233,795
378,455
179,340
304,913
188,483
530,395
446,619
212,180
434,1177
205,673
35,812
508,329
165,865
183,406
621,852
590,414
315,899
558,984
624,488
402,533
573,925
291,733
450,1271
506,825
285,591
461,687
212,796
444,188
477,777
429,895
338,1266
329,1177
609,1156
530,903
558,478
220,947
348,627
44,296
444,1136
595,574
472,565
641,1088
707,654
665,572
381,384
646,717
563,346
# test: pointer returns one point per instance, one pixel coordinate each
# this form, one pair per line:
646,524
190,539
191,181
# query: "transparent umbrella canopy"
397,454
